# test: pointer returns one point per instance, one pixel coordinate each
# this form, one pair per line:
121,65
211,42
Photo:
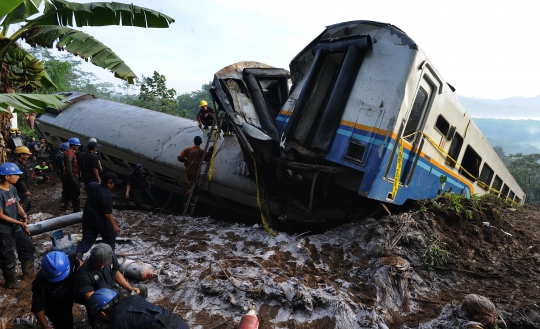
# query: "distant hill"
517,117
508,108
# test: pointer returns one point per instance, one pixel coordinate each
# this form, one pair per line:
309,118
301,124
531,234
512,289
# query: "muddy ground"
374,273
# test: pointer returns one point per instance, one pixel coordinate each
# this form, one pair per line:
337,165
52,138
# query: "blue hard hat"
74,141
100,298
9,168
64,146
55,266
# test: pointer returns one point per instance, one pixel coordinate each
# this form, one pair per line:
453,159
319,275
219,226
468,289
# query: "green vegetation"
434,255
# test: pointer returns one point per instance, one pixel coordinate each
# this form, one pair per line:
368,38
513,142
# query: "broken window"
442,125
454,150
497,184
116,161
486,176
316,104
165,178
415,118
471,163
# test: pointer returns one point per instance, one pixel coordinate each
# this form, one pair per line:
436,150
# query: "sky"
485,49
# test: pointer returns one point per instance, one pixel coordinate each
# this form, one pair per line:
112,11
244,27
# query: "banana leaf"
30,103
85,46
16,11
62,13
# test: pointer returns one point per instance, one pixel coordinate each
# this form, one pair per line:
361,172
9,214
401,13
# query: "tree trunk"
6,86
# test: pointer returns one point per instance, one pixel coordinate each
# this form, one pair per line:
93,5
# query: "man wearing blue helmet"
70,178
14,234
133,312
53,290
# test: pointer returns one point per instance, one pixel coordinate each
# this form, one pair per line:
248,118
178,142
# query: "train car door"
411,132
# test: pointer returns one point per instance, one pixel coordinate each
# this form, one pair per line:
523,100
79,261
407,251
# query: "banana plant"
54,27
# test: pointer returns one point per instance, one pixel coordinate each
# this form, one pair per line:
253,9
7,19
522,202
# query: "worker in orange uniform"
192,158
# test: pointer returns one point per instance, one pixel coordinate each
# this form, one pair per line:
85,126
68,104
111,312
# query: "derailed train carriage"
362,115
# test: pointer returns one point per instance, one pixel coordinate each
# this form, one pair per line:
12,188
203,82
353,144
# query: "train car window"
505,190
518,200
471,163
116,161
63,139
486,175
355,151
132,165
454,150
442,125
415,117
512,195
165,178
497,184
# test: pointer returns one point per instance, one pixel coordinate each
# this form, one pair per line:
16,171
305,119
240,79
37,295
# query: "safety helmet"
9,168
55,266
14,130
139,167
64,146
203,103
100,298
74,141
22,150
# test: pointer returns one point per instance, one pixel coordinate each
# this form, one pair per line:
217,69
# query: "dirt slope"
368,274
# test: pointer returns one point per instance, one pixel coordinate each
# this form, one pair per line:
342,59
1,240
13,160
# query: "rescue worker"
138,183
43,151
133,312
14,233
23,184
53,290
41,172
192,158
70,177
89,164
97,215
58,162
101,270
206,114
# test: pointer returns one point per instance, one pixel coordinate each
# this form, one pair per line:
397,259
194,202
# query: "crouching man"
101,270
53,290
133,312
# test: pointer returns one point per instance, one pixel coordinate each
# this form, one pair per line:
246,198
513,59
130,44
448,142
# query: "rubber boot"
28,269
11,278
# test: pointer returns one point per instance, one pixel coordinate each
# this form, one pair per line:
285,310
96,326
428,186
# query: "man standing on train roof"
98,214
70,177
192,158
206,115
23,184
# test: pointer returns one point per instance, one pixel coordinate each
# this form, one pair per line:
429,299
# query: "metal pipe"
55,223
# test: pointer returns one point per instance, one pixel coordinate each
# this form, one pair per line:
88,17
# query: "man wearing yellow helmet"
23,184
205,115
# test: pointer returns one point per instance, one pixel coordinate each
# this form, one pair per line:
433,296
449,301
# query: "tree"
154,94
189,102
500,152
20,70
526,171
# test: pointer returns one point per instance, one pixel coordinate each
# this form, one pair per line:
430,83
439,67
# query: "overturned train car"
362,116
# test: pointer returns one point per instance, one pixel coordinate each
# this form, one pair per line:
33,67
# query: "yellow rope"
397,176
268,229
211,164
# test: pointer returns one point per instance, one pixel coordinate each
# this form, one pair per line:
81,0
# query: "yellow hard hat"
22,150
14,130
203,103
